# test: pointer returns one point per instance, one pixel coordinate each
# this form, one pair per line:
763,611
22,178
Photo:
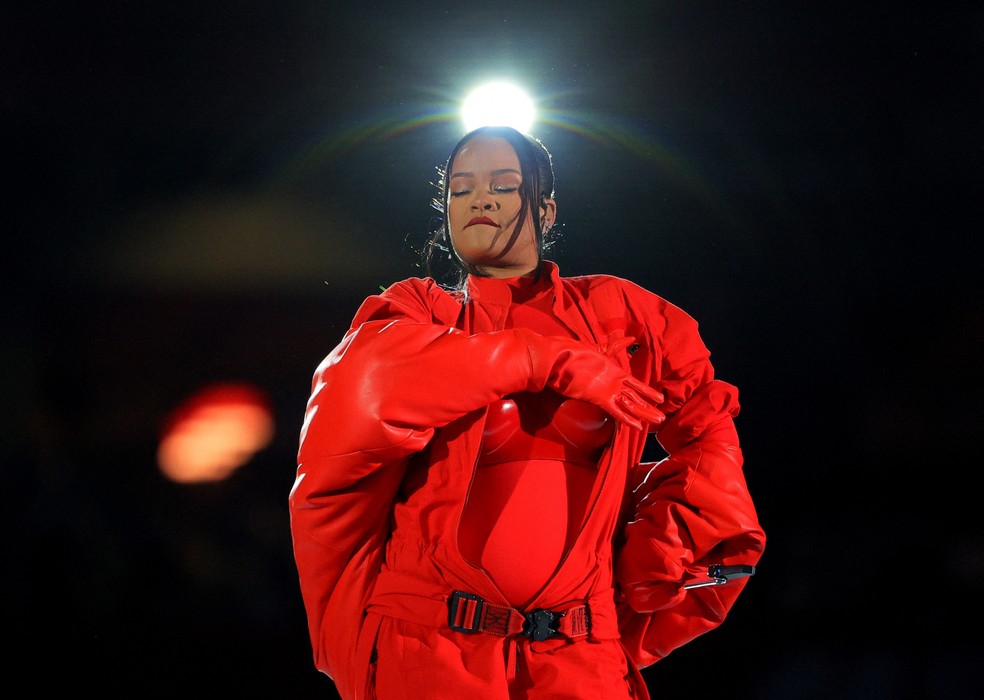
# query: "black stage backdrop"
201,192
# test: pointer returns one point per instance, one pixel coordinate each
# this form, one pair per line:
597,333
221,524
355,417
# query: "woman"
470,515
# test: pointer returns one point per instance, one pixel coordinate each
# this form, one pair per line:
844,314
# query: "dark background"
202,192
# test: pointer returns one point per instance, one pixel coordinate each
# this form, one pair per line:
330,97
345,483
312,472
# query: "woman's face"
483,209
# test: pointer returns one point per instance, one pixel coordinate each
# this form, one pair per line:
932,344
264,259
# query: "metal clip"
718,575
539,624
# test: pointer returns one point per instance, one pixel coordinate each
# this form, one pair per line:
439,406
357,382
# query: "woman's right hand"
579,371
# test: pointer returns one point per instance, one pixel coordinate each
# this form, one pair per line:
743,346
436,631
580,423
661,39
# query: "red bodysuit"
536,468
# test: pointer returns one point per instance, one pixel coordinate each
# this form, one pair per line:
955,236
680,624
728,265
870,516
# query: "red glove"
579,371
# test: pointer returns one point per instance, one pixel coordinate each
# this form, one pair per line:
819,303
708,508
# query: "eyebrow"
502,171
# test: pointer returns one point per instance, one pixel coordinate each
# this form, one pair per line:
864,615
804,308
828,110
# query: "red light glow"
215,432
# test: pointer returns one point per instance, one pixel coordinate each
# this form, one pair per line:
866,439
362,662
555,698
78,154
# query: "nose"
485,202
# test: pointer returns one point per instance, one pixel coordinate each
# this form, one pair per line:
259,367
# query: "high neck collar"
506,290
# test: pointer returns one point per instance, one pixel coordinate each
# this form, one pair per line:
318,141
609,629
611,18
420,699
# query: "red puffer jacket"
393,430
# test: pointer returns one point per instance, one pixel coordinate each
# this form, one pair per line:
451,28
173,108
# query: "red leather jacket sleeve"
396,376
689,511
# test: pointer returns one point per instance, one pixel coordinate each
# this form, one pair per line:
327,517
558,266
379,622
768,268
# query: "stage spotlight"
498,104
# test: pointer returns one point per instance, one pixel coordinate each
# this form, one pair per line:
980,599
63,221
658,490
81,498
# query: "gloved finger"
633,406
628,420
641,405
616,409
653,396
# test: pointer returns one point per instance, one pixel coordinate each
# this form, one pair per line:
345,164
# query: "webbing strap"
470,614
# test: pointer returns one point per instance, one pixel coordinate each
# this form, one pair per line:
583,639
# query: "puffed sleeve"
690,510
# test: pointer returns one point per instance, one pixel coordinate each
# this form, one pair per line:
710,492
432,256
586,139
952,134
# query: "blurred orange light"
215,432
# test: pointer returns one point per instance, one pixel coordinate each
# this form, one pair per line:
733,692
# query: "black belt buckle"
539,624
456,599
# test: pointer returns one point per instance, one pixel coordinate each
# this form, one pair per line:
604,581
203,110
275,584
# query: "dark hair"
536,168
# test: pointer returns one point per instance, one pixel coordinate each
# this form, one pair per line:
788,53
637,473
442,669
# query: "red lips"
483,220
